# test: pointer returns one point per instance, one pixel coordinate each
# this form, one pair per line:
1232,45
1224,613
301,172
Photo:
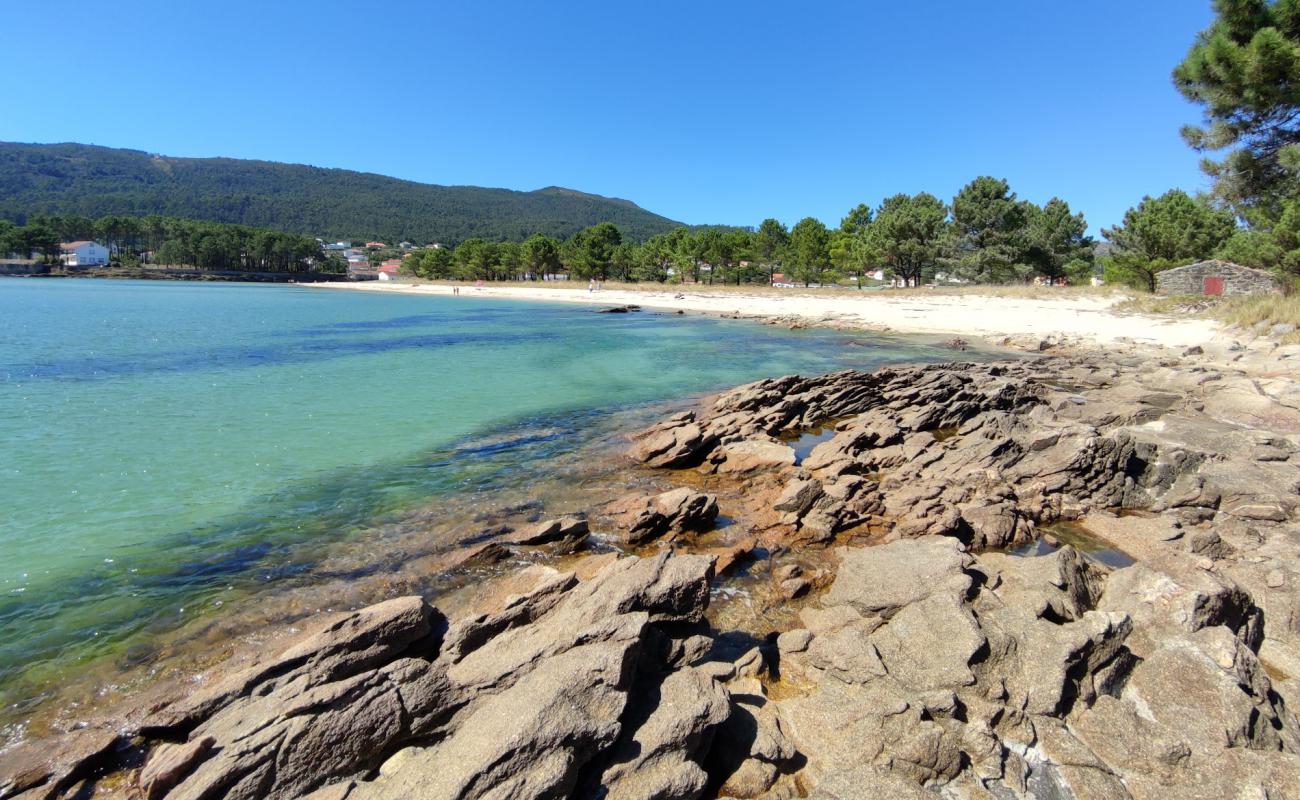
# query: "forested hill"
333,203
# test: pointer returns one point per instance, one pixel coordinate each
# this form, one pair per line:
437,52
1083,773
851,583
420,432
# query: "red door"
1214,285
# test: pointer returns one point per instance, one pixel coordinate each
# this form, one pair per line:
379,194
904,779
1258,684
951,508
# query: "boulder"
644,518
530,740
518,698
344,646
679,442
881,580
566,531
662,756
750,455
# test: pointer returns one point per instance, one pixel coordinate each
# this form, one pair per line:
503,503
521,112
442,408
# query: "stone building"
1215,278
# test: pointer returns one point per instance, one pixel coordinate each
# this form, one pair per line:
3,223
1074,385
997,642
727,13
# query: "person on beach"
591,285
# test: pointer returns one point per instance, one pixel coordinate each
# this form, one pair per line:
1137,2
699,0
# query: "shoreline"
798,566
1086,319
809,545
175,654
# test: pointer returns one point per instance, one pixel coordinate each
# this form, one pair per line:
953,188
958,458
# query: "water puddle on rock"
943,434
1055,536
804,442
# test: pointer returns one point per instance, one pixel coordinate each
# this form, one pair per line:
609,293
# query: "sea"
171,449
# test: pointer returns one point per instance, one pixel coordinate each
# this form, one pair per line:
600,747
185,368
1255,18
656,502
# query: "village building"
1215,278
83,254
361,271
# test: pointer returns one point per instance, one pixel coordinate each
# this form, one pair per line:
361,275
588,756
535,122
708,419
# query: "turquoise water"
160,441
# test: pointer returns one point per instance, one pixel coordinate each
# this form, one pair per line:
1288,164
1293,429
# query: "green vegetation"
1244,71
1271,309
170,241
991,232
338,204
987,236
1164,232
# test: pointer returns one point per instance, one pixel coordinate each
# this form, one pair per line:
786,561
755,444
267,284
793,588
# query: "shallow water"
1080,538
804,443
167,446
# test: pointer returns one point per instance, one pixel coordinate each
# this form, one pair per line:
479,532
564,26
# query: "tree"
591,251
11,240
1164,232
622,263
705,248
475,259
1057,242
541,255
852,252
433,263
1257,249
809,250
731,249
909,233
857,220
989,226
690,253
1277,247
509,261
1244,70
39,238
770,244
656,257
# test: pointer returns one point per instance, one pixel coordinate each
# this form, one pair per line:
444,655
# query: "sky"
705,111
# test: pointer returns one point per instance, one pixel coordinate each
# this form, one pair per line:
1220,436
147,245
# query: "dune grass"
1271,309
1261,310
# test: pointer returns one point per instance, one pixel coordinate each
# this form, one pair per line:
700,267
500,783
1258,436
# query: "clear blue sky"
704,111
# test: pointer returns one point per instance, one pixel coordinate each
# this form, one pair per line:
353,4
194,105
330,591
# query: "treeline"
1243,70
334,203
985,235
169,241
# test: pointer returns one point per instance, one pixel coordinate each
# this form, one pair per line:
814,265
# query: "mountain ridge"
96,181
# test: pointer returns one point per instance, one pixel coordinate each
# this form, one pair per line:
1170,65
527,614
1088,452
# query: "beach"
1087,317
987,565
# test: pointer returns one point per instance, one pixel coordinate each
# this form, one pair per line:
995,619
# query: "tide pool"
160,441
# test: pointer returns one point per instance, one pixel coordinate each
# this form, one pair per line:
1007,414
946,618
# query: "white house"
83,254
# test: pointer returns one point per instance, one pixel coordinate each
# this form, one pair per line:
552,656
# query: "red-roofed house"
376,245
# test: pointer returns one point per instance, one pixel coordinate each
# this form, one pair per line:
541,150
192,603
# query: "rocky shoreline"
859,585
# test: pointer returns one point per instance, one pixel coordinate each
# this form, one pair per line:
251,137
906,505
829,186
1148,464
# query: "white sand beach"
1083,316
